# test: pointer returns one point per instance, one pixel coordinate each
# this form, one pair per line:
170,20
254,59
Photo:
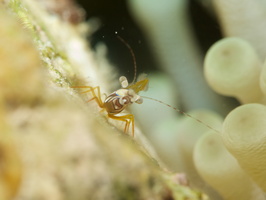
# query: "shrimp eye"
139,100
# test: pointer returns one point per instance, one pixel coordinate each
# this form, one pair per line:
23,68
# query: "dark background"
115,17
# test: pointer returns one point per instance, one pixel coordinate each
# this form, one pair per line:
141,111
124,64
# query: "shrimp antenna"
182,112
132,54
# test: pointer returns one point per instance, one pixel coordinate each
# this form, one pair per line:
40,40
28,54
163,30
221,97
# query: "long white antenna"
182,112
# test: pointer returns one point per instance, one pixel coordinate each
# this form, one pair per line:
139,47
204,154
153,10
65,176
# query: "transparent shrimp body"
119,100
